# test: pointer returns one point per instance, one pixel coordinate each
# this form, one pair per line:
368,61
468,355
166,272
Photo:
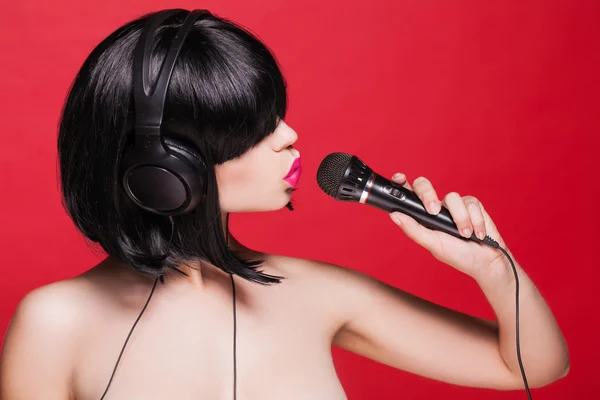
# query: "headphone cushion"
184,150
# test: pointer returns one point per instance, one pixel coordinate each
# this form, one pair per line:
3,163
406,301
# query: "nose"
292,136
292,140
288,137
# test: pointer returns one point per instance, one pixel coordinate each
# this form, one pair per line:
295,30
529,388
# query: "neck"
197,272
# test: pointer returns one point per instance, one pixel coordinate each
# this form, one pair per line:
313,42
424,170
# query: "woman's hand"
474,259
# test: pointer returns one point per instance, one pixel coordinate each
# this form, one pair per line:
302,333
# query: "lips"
293,176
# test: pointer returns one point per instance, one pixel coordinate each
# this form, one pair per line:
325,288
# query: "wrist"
497,274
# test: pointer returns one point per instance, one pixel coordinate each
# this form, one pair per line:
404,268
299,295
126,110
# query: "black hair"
226,94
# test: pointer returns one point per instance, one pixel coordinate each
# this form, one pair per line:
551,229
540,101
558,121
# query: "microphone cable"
492,243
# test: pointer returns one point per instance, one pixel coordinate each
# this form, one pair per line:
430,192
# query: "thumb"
413,229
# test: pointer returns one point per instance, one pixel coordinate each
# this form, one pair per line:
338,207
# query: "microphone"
346,178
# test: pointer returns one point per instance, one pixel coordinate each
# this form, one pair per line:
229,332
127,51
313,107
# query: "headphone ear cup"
166,179
186,151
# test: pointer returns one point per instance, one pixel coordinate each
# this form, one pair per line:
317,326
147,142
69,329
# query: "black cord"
234,316
492,243
127,340
234,342
146,305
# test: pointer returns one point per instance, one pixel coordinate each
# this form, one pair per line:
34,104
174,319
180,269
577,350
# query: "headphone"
160,175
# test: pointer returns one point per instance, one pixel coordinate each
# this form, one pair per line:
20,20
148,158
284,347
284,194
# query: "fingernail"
434,207
466,232
397,175
396,219
481,235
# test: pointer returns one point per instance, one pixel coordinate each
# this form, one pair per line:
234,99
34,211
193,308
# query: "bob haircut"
226,94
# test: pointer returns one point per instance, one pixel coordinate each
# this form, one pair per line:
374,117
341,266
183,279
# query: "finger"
476,215
425,191
455,204
490,226
489,223
400,179
414,230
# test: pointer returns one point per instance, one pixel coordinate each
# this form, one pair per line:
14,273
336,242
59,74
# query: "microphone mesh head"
331,171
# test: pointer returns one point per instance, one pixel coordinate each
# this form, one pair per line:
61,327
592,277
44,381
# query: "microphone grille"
331,172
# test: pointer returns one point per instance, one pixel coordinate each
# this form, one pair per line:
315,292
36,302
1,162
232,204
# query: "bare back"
182,346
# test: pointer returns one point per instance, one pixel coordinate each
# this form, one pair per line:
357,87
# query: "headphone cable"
234,316
127,340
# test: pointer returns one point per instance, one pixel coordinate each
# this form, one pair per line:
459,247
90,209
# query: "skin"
65,337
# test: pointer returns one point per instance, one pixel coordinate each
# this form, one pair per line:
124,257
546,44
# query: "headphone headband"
150,103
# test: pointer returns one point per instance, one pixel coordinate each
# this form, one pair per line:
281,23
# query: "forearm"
543,348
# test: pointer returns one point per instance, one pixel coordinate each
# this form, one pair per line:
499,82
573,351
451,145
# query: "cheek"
230,179
240,173
243,180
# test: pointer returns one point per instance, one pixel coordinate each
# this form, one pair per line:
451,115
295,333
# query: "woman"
180,309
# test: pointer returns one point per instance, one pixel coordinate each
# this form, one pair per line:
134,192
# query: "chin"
275,202
288,203
285,201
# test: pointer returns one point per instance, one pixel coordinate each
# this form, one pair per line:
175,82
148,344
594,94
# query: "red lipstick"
293,176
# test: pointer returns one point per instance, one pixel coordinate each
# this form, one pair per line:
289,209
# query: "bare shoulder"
51,306
342,292
39,344
317,272
42,338
55,308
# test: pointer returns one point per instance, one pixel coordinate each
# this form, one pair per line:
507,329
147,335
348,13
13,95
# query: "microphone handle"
389,196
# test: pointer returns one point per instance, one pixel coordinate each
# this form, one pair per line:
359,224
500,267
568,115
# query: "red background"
494,99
